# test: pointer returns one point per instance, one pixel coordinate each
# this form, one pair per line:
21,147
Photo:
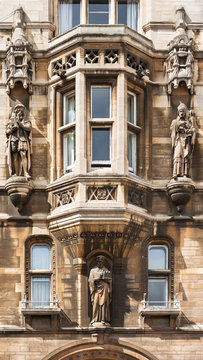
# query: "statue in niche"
18,142
100,284
183,135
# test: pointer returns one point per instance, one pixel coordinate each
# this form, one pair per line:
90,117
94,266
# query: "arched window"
158,275
40,273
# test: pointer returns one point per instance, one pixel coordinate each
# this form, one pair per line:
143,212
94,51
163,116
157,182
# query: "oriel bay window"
69,14
158,275
40,275
98,12
127,13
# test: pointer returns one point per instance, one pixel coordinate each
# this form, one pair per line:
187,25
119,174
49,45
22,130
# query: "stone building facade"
101,117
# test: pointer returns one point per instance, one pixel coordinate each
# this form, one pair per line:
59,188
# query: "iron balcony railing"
40,304
162,305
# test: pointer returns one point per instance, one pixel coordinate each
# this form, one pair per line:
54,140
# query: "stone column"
80,94
82,291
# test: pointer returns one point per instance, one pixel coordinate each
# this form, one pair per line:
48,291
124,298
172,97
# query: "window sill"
41,311
160,311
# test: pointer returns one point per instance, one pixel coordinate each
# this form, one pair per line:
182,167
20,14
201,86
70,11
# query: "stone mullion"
80,94
121,125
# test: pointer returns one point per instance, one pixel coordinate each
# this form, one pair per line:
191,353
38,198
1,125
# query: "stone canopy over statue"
100,284
18,143
183,134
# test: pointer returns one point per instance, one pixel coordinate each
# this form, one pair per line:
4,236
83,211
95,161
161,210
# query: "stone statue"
183,135
100,284
19,143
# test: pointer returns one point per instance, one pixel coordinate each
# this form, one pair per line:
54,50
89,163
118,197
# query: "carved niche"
180,61
18,57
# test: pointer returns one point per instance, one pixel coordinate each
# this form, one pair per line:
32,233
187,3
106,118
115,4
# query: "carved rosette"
18,57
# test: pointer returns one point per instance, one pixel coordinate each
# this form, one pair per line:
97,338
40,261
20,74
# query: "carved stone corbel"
180,61
18,57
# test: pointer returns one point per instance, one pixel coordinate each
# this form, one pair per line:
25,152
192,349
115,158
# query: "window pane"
98,12
40,291
40,257
69,14
132,109
101,102
69,149
158,258
127,13
132,152
100,144
69,109
157,291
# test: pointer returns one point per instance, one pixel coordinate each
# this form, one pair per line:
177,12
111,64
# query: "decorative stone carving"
100,285
111,56
180,62
140,66
135,197
65,197
92,56
180,192
70,60
19,58
58,68
18,132
183,134
19,143
101,193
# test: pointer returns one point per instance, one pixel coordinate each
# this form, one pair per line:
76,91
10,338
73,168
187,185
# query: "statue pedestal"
180,191
19,189
100,325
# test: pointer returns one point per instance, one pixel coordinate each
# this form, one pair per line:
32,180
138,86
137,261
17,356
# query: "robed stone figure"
18,142
183,135
100,284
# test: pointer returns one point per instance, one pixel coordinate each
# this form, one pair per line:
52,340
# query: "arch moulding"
91,350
